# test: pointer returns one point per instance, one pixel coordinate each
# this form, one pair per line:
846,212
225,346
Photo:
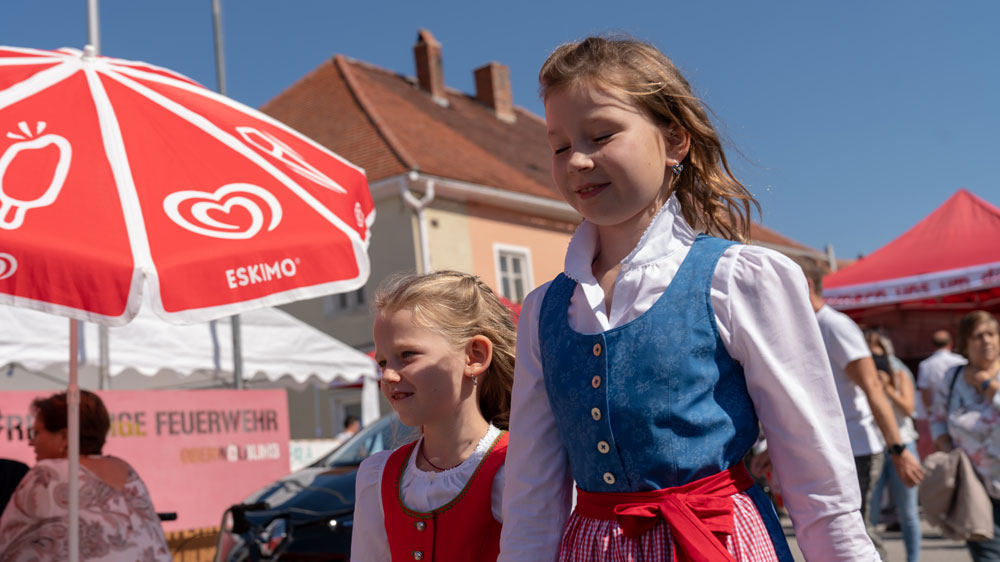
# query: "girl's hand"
760,464
883,377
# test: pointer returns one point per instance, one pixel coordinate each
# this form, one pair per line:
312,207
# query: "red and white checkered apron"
595,531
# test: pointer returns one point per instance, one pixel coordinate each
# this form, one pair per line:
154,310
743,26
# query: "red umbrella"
113,171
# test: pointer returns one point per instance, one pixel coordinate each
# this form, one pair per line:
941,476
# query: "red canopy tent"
941,268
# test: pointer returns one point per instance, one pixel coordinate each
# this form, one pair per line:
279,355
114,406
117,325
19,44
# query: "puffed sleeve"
537,484
767,323
368,539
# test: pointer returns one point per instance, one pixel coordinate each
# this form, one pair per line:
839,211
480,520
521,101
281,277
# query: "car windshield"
385,434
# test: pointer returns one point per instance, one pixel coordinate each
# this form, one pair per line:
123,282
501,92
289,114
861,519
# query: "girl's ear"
478,355
678,142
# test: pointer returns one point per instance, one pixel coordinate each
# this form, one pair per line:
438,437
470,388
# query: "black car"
309,514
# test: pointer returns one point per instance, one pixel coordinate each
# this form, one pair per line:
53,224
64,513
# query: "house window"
513,266
344,302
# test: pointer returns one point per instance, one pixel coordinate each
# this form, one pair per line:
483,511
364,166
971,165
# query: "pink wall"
198,451
547,240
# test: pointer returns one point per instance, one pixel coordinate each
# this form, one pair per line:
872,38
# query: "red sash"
700,513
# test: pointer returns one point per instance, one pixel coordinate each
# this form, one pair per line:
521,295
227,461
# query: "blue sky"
849,121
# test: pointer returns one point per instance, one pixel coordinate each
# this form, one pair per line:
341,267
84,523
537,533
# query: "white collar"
666,233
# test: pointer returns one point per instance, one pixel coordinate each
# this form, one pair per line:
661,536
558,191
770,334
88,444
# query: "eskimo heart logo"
202,212
8,265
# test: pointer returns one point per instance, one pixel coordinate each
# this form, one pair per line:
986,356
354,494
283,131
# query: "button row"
602,446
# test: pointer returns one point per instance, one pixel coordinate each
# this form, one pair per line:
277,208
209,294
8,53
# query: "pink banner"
198,451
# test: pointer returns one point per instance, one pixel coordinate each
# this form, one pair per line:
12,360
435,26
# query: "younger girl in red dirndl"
445,347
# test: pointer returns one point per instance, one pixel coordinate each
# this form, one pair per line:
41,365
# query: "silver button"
420,525
609,478
603,447
596,381
417,555
597,350
595,413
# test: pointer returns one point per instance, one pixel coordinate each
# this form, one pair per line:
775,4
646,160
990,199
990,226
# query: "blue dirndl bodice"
655,403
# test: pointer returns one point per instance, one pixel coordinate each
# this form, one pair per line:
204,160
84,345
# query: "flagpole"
220,72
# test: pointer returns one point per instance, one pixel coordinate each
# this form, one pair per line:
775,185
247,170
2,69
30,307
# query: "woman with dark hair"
897,381
966,413
117,519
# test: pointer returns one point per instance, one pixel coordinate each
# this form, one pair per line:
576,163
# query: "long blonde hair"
709,193
460,306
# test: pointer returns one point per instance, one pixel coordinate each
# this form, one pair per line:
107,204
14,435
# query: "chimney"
430,73
493,89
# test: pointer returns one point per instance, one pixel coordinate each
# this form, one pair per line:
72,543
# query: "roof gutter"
418,206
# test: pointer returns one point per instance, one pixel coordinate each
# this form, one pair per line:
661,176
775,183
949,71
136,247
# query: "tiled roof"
383,122
761,234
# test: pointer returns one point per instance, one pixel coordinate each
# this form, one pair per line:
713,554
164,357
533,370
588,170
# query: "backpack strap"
954,371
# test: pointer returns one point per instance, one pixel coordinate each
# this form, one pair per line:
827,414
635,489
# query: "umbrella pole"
73,392
237,354
73,447
220,71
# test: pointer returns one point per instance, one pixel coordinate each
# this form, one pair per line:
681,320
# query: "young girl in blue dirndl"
644,368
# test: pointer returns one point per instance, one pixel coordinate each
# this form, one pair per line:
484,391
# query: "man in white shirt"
867,411
932,370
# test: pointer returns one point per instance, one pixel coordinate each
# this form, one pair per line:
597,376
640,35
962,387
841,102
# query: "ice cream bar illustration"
13,209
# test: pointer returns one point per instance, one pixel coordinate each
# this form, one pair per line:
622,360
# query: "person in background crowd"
11,473
445,347
965,413
897,381
117,519
643,368
351,426
863,399
931,371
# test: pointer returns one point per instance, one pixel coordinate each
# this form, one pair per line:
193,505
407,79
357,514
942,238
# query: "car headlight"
273,536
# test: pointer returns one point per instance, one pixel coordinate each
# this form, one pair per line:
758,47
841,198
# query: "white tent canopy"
148,353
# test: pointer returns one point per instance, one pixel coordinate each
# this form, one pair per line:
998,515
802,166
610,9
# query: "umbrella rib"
64,52
232,142
114,147
40,81
233,104
30,61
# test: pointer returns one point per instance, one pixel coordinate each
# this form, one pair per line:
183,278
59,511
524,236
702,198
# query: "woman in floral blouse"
117,519
966,413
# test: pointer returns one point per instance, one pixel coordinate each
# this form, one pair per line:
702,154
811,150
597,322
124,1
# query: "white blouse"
766,322
422,491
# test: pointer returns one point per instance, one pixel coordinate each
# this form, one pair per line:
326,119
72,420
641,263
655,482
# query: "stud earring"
677,168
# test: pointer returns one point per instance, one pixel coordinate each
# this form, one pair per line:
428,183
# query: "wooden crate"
193,545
